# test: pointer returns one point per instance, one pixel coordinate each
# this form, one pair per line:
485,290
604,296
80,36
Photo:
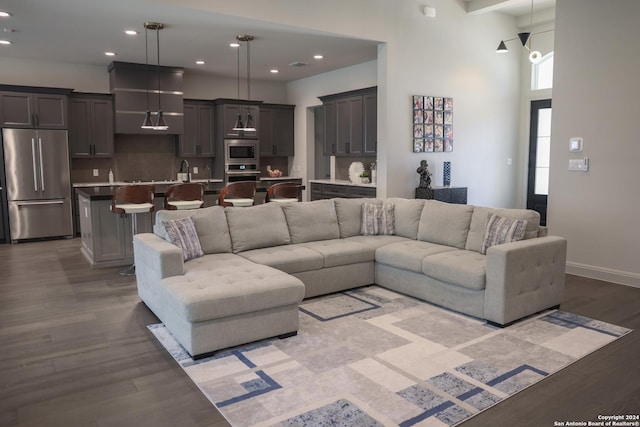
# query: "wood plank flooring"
75,351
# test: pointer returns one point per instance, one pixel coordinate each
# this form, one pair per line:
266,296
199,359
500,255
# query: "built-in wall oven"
242,162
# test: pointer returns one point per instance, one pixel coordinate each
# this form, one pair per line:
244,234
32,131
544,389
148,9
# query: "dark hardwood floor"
75,351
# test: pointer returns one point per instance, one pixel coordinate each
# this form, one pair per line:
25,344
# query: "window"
542,73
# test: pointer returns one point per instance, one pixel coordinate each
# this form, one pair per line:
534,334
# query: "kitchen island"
330,188
107,237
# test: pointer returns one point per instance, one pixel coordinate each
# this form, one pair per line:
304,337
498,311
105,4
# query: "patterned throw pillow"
182,233
378,219
502,230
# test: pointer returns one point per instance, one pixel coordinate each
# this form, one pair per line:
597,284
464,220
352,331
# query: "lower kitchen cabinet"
329,191
106,237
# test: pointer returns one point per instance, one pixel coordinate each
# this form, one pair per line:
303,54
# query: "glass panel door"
539,154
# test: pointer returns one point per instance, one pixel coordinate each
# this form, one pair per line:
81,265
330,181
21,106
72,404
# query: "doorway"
539,156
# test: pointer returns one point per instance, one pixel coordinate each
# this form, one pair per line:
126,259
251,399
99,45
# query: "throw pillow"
502,230
182,233
378,219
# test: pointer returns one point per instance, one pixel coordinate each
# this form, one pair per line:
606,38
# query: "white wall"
595,96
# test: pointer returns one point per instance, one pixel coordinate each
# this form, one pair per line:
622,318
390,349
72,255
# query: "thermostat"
575,144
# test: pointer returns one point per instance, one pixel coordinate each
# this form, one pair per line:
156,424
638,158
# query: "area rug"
373,357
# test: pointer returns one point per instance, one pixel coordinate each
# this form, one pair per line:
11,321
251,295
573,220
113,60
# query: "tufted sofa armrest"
524,277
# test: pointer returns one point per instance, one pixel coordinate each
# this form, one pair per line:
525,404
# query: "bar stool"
241,193
284,192
132,199
184,196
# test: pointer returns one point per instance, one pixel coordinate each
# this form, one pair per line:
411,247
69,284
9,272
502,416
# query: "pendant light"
249,126
147,123
160,123
525,38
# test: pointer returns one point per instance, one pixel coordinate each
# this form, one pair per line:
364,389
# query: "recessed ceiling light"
274,71
200,62
131,32
318,56
110,53
4,14
5,42
234,44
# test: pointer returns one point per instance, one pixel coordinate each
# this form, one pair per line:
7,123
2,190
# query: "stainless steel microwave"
241,151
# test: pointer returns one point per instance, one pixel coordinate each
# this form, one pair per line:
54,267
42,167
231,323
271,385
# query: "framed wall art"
432,126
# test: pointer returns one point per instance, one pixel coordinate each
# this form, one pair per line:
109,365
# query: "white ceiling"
80,31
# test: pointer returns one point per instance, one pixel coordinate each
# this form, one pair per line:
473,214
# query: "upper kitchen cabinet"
136,89
276,130
27,107
226,113
197,139
91,125
350,123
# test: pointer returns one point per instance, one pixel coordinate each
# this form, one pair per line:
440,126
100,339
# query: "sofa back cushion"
445,223
257,227
311,221
349,213
211,226
481,215
407,214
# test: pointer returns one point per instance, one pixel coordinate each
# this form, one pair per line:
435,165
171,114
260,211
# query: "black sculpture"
424,191
425,175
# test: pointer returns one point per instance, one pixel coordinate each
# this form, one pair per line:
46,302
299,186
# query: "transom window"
542,73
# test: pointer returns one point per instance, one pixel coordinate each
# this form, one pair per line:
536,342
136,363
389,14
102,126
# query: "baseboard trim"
606,274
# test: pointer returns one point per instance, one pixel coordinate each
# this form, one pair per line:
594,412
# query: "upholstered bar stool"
284,192
184,196
241,193
132,200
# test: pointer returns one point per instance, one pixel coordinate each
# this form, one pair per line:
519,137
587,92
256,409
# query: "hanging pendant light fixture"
249,126
160,123
525,38
147,123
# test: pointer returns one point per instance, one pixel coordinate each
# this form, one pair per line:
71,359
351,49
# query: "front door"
539,154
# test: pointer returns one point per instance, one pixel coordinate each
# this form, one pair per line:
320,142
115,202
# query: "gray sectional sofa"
260,262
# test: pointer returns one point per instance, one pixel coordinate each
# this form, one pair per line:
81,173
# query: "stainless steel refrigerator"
38,191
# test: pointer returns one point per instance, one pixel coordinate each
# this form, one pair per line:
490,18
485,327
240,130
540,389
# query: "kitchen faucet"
184,163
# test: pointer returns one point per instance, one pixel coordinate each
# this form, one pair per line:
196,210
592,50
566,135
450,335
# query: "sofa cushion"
408,254
376,241
445,223
378,219
341,252
502,230
288,258
407,213
211,225
481,215
258,226
240,286
349,213
183,234
461,268
311,221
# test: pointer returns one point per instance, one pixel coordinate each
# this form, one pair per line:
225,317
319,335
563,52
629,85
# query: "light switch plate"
579,165
575,144
95,172
195,170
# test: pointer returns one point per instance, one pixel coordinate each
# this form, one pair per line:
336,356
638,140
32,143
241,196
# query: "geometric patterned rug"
372,357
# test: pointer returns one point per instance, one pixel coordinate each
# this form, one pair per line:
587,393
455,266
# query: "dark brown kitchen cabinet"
226,113
198,137
23,109
276,130
370,113
320,190
91,125
348,122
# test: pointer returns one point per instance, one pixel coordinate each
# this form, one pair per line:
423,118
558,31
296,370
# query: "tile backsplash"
139,158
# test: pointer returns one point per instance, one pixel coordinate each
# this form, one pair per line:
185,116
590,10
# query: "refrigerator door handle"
35,167
50,202
41,165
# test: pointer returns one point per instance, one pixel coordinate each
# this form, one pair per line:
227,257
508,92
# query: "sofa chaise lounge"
260,262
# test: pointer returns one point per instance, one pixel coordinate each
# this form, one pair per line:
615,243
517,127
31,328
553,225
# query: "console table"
456,195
